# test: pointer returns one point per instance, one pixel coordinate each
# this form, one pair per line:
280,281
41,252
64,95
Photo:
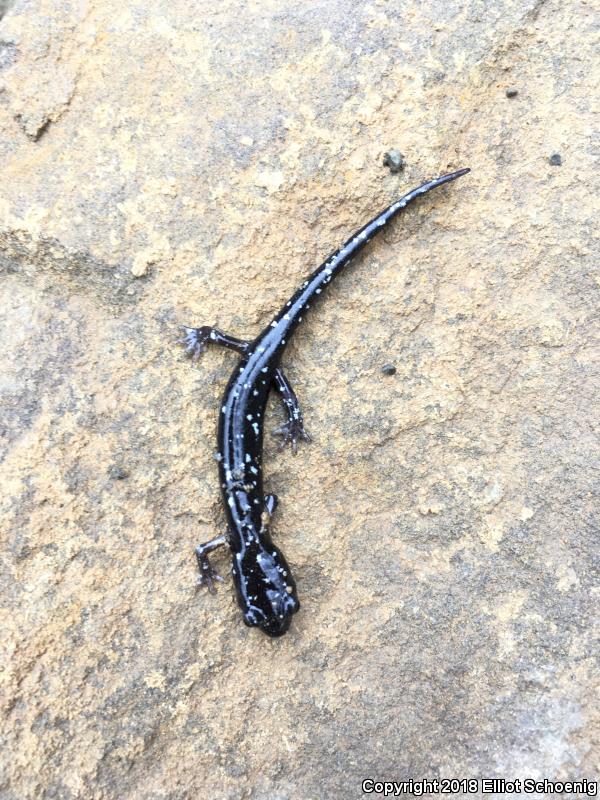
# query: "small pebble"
556,160
512,92
389,369
394,160
118,473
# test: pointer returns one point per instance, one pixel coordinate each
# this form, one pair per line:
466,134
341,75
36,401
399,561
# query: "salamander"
265,587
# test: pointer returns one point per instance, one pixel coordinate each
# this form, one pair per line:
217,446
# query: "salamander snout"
269,600
283,607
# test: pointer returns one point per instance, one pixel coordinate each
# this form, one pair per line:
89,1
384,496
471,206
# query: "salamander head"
266,590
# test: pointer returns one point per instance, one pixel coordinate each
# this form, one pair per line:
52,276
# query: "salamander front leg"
293,429
196,339
208,575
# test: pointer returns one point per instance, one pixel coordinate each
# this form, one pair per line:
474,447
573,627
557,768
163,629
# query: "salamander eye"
251,618
283,604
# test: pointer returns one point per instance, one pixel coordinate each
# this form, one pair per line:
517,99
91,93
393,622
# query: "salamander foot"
271,503
195,340
208,575
292,431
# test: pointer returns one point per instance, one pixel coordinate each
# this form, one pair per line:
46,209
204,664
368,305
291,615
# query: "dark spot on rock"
117,472
8,52
34,126
394,160
555,159
512,92
389,369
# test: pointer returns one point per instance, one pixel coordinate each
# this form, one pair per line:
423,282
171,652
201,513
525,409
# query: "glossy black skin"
265,587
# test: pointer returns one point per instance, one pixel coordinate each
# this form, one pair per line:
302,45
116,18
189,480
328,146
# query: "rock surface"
162,165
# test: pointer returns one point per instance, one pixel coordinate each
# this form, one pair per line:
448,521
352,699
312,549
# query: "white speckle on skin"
248,416
255,393
264,369
256,428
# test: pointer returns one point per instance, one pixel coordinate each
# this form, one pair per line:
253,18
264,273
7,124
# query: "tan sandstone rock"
172,162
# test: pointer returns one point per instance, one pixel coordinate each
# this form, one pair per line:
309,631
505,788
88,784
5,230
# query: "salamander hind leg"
196,339
293,430
208,575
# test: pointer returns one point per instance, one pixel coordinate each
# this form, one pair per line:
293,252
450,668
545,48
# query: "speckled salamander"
265,587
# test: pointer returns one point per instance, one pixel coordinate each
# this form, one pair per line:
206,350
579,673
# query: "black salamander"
265,587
